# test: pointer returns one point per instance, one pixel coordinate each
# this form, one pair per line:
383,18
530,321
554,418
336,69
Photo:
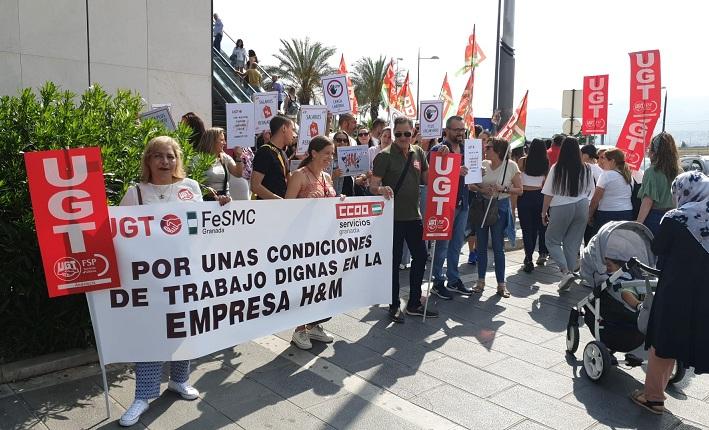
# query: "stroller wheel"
572,338
678,373
596,360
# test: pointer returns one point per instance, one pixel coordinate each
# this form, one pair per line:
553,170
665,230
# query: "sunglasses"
363,134
405,134
341,140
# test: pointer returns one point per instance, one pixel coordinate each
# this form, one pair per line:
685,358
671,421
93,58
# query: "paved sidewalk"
486,363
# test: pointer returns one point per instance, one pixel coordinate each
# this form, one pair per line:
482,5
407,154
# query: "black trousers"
217,41
412,233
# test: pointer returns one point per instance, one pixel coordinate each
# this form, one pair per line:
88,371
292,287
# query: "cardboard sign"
69,203
443,176
645,106
595,105
474,161
265,108
313,122
353,160
162,115
224,275
334,88
240,125
431,121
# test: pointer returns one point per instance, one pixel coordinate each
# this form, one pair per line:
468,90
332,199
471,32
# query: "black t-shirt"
272,163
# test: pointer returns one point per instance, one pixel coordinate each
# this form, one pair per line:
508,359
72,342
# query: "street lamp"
418,77
396,76
664,109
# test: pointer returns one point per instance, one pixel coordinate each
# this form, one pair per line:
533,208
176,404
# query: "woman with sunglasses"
343,184
501,180
310,181
363,137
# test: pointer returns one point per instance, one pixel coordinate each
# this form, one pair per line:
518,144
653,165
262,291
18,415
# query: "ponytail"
618,158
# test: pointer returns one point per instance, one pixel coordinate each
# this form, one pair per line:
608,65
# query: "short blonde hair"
209,139
150,149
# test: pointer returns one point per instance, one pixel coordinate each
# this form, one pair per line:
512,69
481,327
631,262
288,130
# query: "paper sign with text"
313,122
334,88
431,119
473,161
69,204
240,125
162,115
441,197
265,108
353,160
214,279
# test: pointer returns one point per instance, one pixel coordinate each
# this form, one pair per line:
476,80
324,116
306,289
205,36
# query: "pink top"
316,187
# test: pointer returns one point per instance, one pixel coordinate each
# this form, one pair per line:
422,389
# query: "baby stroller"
613,324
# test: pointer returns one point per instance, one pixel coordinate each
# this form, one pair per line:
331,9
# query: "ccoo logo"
171,224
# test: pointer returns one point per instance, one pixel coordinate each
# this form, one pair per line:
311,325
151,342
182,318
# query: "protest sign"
645,94
214,279
353,160
69,203
443,176
334,88
313,121
473,161
265,108
240,125
162,115
595,105
431,119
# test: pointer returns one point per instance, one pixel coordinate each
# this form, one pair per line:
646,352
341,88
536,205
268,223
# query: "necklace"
162,191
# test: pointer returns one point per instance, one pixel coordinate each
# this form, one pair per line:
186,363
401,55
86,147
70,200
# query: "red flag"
473,54
645,94
465,107
446,95
443,177
514,130
350,88
389,85
595,105
406,101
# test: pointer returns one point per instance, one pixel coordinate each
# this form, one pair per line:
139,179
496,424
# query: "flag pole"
502,181
430,281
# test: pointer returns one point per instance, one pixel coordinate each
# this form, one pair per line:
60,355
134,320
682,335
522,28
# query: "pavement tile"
542,408
353,412
402,380
250,357
466,377
469,352
526,351
469,411
692,385
534,377
15,415
529,425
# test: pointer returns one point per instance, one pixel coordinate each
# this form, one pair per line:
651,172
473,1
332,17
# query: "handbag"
478,206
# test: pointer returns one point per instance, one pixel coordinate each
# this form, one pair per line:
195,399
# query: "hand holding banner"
313,122
334,88
265,108
240,125
353,160
431,121
443,176
474,161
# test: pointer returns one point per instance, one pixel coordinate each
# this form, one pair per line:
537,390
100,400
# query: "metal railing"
229,47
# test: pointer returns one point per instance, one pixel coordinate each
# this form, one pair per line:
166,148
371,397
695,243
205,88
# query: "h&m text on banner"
200,278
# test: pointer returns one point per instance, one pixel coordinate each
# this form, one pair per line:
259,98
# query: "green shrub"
32,324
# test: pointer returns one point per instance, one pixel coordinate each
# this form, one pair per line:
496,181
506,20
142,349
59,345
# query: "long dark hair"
317,144
197,126
663,155
570,173
537,161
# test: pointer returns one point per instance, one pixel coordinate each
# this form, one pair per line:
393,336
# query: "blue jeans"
529,208
603,217
652,220
449,250
498,242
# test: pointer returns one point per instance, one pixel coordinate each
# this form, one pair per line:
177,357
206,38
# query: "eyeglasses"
363,134
341,140
405,134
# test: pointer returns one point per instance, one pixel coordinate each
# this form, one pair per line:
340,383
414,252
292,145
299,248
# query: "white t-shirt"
597,171
585,189
373,151
616,192
185,190
214,176
494,176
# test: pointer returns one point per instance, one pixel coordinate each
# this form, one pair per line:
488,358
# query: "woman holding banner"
311,181
343,184
162,180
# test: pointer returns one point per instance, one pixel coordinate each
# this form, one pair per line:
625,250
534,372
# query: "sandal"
502,291
657,408
479,287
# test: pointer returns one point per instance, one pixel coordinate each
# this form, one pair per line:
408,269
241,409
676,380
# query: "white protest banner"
474,161
240,125
265,108
353,160
334,87
198,278
313,121
161,114
431,121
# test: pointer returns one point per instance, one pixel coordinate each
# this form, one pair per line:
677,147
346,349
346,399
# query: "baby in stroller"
628,292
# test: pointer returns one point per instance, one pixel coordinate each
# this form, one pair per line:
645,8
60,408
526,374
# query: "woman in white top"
565,211
501,179
611,200
534,167
217,176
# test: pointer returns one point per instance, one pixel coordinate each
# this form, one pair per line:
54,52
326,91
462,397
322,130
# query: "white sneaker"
184,389
132,415
301,339
317,333
566,282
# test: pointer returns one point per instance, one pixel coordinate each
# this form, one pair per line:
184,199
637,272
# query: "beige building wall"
159,48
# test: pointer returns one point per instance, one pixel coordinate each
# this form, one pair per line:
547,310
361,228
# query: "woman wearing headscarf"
678,327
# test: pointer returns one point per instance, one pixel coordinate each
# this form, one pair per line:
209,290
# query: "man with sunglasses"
449,250
397,172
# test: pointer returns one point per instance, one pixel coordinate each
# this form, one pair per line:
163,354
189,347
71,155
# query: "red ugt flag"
350,88
444,174
595,105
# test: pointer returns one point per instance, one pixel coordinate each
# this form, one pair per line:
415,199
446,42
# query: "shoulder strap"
226,174
140,195
279,154
403,174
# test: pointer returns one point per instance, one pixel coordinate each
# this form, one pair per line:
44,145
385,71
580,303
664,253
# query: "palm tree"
367,79
303,63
